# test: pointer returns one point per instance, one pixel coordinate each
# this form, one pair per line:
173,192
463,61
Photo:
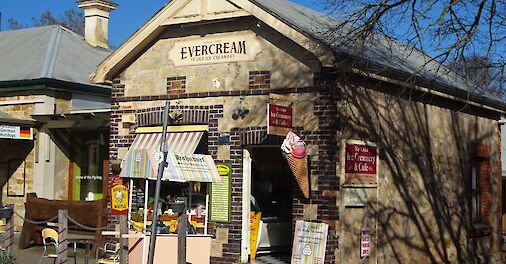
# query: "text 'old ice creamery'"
214,49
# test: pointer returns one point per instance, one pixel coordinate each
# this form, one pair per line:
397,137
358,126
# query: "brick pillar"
230,243
322,205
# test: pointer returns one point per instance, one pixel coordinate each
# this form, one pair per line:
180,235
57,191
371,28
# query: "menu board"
309,242
221,195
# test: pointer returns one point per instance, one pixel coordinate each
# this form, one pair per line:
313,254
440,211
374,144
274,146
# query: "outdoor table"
85,240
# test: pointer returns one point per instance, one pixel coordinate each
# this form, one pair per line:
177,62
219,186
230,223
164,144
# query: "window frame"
479,183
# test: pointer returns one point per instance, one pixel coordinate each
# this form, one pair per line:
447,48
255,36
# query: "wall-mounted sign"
361,163
309,242
119,199
355,197
279,119
221,195
365,243
16,132
214,49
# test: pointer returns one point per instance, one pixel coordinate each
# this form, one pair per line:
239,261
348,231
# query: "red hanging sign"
279,119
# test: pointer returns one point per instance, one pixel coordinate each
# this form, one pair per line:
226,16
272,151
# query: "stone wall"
421,210
216,112
24,156
19,157
419,213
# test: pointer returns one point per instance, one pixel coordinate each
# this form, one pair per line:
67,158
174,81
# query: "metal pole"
161,167
181,235
145,220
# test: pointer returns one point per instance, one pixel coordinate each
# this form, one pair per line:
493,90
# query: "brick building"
45,91
436,194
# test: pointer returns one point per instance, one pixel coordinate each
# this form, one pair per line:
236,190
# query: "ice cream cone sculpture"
295,154
300,171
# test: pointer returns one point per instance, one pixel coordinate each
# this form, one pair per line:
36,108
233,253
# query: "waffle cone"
299,169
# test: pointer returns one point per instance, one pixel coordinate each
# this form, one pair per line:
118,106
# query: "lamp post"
161,167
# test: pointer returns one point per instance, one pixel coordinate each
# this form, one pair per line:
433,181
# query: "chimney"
96,21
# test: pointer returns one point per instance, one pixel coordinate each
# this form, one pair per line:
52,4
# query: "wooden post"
181,236
122,241
62,236
9,234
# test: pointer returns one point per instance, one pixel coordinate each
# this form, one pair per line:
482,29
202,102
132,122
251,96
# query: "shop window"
480,194
195,192
88,166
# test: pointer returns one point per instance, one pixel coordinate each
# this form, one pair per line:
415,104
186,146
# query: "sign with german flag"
16,132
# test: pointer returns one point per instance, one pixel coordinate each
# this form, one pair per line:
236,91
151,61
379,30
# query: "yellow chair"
50,238
111,252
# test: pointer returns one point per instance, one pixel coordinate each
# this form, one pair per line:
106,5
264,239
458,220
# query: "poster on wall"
221,195
279,120
365,243
309,242
361,164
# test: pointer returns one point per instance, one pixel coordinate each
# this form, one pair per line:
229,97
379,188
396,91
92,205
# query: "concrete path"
32,254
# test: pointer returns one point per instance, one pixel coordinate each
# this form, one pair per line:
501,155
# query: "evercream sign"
210,50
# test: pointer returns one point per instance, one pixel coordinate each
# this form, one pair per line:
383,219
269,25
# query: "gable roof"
385,56
379,51
47,52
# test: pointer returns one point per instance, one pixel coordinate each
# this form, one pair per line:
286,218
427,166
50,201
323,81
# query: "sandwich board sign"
309,242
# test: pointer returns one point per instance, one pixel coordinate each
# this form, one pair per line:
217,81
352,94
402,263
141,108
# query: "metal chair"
50,238
111,252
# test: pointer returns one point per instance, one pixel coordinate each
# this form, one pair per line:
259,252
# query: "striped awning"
182,142
139,162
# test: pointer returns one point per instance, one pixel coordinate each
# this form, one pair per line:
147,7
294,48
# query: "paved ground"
32,255
272,259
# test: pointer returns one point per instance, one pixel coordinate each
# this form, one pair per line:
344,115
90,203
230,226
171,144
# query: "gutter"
398,75
54,85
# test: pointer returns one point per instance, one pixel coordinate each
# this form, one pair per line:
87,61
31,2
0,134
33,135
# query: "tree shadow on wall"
423,207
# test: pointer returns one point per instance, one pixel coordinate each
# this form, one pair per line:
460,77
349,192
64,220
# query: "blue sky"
130,15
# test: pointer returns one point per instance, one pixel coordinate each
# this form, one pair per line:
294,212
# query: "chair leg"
41,257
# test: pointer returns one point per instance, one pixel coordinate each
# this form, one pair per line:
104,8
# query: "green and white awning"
183,164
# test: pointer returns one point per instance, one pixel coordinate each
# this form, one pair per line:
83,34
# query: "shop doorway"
89,151
271,195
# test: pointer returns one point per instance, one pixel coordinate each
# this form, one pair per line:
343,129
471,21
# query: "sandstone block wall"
421,210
